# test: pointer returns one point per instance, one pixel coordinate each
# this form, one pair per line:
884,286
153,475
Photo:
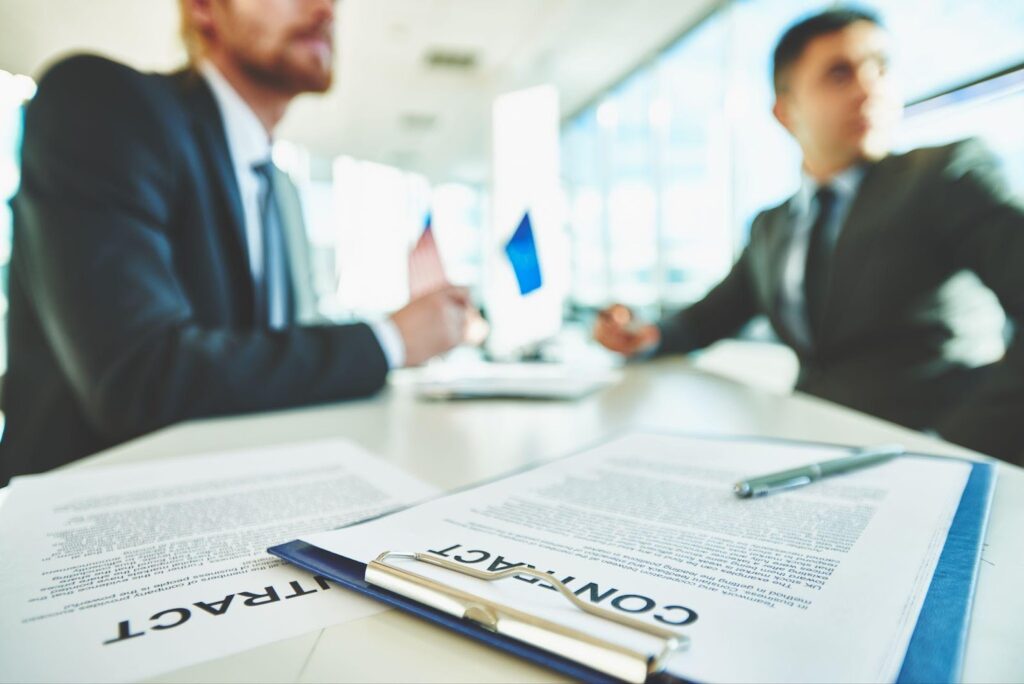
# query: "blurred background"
648,124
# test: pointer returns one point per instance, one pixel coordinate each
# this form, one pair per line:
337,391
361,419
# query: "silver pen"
805,475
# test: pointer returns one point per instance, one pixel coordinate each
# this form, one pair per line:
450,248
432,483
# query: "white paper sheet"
513,381
823,583
126,572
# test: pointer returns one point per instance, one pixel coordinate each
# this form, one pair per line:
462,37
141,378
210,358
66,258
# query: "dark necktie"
273,298
819,250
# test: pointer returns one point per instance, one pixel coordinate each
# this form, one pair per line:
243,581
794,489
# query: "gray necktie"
273,299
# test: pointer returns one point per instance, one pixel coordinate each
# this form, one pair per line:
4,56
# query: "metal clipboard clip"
605,656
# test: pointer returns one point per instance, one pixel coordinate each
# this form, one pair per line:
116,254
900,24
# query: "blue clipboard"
936,649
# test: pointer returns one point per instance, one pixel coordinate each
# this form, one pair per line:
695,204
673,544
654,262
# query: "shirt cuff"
390,340
648,352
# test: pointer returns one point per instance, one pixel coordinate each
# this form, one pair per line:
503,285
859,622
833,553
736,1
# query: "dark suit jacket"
131,299
930,236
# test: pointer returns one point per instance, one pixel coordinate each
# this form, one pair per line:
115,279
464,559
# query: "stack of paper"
131,571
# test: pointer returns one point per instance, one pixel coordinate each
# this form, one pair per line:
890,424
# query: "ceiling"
389,105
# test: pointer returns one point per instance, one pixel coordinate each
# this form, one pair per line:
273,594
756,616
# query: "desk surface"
454,444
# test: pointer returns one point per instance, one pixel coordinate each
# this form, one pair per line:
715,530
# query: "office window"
694,163
632,190
378,212
992,111
583,172
941,44
459,215
363,218
363,222
644,171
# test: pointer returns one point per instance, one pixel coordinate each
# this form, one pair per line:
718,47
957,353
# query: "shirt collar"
248,141
845,184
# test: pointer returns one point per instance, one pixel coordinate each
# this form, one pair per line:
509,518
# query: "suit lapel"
864,223
209,129
778,234
779,238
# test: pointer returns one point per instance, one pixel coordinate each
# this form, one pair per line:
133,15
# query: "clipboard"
934,654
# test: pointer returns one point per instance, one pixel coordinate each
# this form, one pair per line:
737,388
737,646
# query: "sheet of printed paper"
822,583
130,571
530,380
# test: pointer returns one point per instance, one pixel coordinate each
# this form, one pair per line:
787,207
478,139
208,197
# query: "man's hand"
434,323
617,329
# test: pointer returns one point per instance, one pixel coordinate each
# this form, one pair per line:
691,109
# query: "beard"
293,66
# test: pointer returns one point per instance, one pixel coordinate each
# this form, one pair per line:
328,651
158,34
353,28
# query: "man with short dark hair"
880,271
153,273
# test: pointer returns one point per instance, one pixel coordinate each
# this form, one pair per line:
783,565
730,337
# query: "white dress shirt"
250,144
804,211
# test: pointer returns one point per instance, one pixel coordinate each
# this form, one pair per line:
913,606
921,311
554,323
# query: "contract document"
823,583
125,572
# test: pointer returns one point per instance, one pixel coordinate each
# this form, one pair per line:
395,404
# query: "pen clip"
595,652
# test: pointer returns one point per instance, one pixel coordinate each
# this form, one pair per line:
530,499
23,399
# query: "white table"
454,444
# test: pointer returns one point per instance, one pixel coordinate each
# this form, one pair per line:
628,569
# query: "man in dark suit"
150,277
880,272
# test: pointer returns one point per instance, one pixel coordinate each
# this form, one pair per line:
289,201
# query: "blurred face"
838,100
287,45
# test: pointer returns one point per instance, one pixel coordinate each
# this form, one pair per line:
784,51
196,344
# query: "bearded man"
153,272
